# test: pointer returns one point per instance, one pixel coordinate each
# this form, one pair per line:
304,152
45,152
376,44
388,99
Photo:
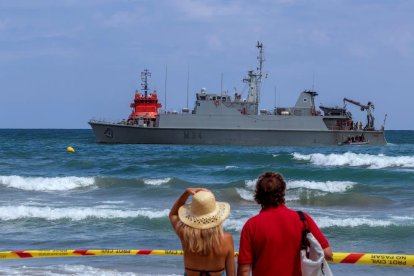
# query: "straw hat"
204,211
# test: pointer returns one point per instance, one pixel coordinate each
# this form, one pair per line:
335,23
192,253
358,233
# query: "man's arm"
243,269
328,253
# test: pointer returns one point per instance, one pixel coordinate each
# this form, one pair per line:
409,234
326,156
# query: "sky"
65,62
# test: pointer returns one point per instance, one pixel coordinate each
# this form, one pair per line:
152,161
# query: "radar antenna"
144,78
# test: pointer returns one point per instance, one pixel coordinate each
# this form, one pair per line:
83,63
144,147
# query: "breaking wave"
326,222
156,181
357,160
58,270
75,213
328,186
247,193
46,183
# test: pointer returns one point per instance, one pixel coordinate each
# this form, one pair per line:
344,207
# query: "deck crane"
369,107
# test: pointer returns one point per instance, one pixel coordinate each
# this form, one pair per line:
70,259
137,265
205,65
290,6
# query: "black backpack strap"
305,230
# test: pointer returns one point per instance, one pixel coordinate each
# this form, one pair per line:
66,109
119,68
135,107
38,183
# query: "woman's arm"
180,202
230,265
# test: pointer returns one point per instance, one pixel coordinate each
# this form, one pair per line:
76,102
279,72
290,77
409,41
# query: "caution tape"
338,257
83,252
373,259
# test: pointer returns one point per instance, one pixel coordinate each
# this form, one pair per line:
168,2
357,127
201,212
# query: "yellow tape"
83,252
338,257
373,259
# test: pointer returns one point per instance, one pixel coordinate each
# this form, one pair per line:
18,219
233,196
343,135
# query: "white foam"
250,184
328,186
46,183
403,218
249,195
324,222
357,160
245,194
114,202
234,224
75,213
156,181
230,167
78,270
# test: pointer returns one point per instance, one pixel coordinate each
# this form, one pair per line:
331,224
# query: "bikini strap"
204,272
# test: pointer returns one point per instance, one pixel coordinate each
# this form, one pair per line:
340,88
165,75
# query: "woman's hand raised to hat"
180,202
193,191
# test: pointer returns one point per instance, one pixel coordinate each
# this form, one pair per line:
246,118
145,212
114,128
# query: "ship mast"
144,78
261,60
254,80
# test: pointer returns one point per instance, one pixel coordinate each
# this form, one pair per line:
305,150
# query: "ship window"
305,100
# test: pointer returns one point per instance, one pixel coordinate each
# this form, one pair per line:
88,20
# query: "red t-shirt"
271,240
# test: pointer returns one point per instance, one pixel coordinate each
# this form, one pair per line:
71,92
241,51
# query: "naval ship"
219,119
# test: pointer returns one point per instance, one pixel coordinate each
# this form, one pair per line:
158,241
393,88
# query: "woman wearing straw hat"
199,225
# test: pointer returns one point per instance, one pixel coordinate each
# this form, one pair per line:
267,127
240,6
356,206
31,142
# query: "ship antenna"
221,84
188,83
165,89
261,60
313,81
144,78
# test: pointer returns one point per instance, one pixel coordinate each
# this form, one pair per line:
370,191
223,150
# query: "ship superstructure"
223,119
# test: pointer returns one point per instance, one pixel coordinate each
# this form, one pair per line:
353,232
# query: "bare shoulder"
228,238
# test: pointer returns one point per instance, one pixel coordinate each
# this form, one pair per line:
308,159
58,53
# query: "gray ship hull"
124,134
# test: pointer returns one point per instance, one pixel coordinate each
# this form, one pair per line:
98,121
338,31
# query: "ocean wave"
75,213
236,224
76,270
156,181
328,186
324,222
247,193
230,167
46,183
251,184
357,160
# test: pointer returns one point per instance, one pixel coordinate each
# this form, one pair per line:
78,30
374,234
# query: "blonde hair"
201,241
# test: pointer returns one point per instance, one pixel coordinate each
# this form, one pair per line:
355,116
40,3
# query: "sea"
106,196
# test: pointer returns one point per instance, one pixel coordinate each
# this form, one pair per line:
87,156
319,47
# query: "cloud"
402,41
214,42
121,19
3,25
207,10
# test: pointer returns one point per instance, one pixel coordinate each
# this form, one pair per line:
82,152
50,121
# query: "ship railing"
105,121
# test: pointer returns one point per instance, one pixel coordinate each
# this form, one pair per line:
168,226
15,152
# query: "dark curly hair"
270,190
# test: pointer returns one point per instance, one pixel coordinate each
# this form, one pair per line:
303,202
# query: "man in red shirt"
270,242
